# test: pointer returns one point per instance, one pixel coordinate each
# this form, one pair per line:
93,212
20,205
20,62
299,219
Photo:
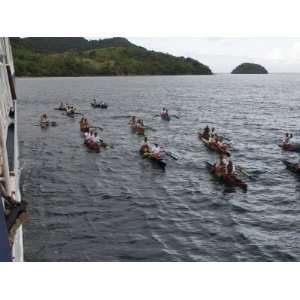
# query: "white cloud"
294,53
275,54
223,54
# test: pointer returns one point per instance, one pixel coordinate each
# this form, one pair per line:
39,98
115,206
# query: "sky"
224,54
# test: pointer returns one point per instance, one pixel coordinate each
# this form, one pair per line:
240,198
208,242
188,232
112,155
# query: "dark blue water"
114,206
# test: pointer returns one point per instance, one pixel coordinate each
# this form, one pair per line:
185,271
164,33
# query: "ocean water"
115,206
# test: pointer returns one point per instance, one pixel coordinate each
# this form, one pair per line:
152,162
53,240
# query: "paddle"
170,154
97,127
149,128
175,116
239,169
105,145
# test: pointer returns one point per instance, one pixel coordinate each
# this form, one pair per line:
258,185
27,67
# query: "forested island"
249,68
75,56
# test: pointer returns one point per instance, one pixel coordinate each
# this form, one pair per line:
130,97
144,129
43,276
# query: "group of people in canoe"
164,114
223,168
147,151
69,109
91,137
100,104
213,139
44,120
137,125
289,145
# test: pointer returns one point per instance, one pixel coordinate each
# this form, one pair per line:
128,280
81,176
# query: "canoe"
84,129
70,114
99,105
137,129
212,146
291,166
46,124
230,180
59,108
93,146
158,162
165,117
290,147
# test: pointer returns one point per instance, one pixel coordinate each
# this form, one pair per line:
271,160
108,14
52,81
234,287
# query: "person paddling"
213,134
221,164
144,146
86,135
206,132
44,118
286,139
140,123
97,138
156,151
230,170
133,120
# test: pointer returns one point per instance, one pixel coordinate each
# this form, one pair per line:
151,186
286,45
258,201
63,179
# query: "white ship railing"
9,178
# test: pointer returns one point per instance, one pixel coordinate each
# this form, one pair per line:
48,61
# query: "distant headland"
76,56
249,68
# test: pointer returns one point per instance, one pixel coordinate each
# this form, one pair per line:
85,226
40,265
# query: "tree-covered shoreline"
249,68
48,57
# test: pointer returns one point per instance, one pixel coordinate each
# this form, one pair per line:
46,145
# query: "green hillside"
81,57
249,68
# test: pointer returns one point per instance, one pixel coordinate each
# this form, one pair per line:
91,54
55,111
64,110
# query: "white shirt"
156,150
225,162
